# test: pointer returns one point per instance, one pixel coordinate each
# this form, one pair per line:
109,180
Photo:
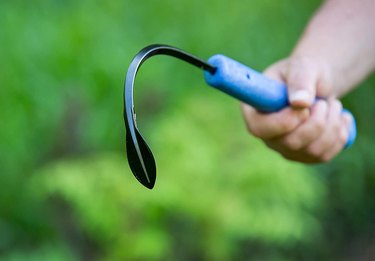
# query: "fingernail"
302,97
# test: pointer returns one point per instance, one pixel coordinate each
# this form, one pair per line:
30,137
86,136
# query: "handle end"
352,130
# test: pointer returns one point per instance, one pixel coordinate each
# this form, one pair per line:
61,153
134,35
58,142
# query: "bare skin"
335,53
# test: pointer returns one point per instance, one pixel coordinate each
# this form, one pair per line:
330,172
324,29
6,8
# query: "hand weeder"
221,72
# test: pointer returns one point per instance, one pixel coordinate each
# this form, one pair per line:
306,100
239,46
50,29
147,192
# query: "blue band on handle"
254,88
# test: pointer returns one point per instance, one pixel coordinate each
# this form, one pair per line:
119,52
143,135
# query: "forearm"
341,35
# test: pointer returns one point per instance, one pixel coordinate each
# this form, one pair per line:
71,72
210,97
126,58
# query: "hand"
307,131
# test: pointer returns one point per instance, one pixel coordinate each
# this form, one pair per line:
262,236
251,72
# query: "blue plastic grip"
253,88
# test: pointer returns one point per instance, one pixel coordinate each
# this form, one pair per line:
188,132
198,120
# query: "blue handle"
254,88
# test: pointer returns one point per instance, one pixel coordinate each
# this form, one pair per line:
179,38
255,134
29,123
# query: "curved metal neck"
141,57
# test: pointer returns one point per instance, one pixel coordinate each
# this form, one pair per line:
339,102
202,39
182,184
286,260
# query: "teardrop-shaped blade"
140,158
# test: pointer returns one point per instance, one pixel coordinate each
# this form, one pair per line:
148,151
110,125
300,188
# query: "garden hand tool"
220,72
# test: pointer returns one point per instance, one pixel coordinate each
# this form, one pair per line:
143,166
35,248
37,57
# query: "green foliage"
51,252
66,190
200,205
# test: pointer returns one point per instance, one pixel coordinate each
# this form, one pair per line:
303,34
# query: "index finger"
272,125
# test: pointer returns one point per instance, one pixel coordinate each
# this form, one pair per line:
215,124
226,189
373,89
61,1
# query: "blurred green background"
66,190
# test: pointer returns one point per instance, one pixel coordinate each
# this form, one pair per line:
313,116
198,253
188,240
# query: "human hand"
307,131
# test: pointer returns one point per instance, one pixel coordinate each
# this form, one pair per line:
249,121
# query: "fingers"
329,134
308,131
268,126
319,138
341,139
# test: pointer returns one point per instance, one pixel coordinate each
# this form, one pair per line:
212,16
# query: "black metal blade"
141,160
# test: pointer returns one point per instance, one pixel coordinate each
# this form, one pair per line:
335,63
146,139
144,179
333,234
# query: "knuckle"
338,125
314,151
326,157
287,124
293,144
334,130
319,124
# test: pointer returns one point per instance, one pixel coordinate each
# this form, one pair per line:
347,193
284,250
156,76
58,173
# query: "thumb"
301,81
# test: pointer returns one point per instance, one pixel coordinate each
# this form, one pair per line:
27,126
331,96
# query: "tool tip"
141,160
